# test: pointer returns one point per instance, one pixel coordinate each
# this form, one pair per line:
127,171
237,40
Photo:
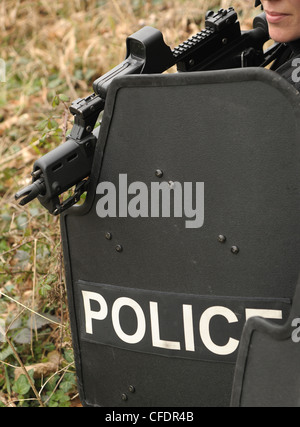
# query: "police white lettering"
205,319
156,341
89,313
96,309
267,314
188,327
141,321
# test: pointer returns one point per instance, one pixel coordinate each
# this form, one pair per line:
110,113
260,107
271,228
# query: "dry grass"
53,47
78,41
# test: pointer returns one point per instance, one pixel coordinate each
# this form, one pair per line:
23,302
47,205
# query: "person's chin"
281,36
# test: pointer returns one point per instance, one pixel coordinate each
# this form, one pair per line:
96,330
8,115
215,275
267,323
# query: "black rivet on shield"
221,238
131,388
108,235
235,250
124,397
159,173
119,248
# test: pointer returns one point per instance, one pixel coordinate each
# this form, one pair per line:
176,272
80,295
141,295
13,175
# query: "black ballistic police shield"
267,369
190,228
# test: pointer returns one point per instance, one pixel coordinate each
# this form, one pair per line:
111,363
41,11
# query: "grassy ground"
53,51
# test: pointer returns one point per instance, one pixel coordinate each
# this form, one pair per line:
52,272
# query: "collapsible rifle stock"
221,45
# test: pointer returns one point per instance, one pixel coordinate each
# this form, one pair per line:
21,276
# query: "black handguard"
221,45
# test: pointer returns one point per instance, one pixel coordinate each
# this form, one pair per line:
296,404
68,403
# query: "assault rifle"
221,45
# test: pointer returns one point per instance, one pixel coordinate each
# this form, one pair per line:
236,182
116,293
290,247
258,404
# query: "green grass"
53,52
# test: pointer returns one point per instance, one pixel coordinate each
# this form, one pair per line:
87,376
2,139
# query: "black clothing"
290,70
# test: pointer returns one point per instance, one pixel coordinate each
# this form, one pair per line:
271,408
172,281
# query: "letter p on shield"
93,314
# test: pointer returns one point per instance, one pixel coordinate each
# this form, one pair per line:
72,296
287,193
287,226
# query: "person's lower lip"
274,18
